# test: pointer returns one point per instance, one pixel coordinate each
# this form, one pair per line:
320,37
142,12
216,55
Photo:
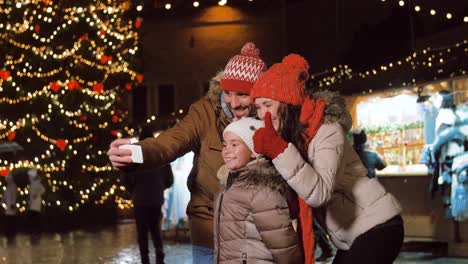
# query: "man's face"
238,103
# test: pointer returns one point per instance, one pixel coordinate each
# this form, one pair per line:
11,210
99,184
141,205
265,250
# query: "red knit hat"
243,70
284,81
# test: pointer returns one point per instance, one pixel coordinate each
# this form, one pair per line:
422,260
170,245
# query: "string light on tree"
65,72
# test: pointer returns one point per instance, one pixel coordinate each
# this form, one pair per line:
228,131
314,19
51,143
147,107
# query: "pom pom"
298,62
249,49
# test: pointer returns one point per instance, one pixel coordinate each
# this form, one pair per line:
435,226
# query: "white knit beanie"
245,129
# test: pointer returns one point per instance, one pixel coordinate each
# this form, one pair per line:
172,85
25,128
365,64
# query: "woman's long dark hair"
292,130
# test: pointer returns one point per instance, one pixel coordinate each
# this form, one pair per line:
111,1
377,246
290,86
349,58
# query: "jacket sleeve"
168,176
178,140
380,163
314,179
273,221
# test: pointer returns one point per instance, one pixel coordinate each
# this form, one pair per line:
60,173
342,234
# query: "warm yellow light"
465,19
433,12
139,8
417,8
449,16
168,6
401,3
222,2
196,4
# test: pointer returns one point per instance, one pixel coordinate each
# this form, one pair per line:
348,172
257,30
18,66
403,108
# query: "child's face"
235,152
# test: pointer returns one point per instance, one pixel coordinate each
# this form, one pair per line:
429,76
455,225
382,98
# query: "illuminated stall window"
395,129
399,122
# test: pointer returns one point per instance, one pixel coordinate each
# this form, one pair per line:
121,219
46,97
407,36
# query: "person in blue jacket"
371,159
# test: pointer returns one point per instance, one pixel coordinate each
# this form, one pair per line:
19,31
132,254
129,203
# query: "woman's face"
235,152
264,105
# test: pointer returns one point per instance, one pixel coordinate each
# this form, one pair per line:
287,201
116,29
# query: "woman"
311,152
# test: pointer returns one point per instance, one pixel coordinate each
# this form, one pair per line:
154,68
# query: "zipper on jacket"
244,258
219,219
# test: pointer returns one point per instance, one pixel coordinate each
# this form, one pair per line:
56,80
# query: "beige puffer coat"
334,180
253,218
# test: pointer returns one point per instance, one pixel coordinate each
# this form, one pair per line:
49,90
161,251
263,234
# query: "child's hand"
267,141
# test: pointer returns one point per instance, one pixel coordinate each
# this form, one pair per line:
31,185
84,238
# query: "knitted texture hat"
243,70
245,128
284,81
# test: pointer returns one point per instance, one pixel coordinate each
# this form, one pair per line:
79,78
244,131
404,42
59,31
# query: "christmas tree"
65,68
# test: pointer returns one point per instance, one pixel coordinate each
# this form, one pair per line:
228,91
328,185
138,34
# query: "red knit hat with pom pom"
284,81
243,70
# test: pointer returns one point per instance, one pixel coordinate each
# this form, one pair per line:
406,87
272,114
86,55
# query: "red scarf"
311,115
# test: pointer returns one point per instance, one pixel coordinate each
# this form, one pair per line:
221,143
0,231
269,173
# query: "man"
201,132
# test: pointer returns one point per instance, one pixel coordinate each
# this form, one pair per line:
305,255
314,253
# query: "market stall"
401,124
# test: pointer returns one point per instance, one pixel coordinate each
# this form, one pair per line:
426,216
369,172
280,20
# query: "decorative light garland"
431,58
418,8
106,52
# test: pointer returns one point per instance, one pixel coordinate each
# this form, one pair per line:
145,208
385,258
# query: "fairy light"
426,58
432,12
54,83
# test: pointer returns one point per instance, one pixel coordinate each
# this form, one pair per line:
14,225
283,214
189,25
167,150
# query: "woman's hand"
267,141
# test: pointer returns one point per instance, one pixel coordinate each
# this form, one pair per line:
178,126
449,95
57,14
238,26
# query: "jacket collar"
335,109
258,172
214,92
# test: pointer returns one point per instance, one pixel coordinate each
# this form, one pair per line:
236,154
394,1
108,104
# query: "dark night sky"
362,33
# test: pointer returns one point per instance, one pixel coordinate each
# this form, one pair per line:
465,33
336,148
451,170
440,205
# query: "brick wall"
186,50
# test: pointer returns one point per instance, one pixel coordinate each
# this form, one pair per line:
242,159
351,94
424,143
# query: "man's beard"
252,110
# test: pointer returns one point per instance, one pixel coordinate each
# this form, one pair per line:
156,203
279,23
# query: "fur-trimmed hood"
259,172
214,92
335,109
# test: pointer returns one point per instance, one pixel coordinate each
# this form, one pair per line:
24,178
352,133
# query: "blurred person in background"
36,190
147,189
371,159
9,203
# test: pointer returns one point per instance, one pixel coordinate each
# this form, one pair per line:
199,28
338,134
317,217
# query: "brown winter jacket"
253,219
199,131
334,180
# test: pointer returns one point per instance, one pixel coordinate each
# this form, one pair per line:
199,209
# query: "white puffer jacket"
335,181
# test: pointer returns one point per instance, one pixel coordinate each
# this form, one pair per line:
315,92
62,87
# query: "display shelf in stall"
401,150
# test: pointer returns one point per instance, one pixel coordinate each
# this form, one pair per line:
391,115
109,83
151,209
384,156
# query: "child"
254,213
